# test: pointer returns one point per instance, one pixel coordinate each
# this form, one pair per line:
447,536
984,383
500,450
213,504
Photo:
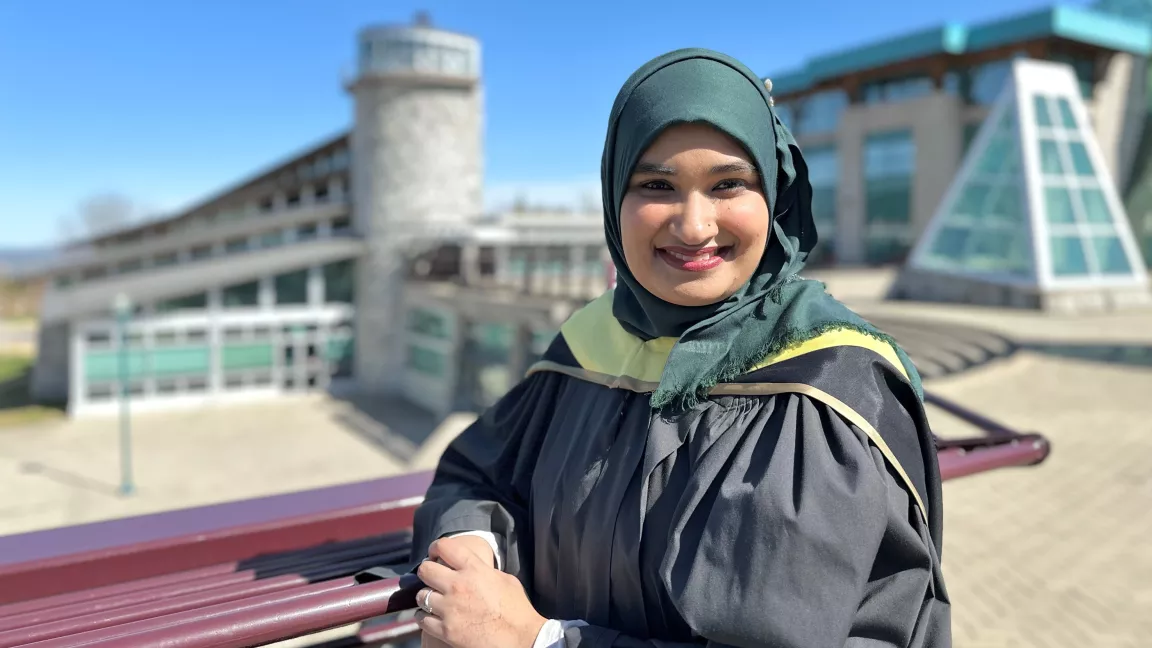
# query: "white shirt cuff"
551,634
491,539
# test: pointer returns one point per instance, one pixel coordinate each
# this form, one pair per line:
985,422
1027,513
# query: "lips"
693,260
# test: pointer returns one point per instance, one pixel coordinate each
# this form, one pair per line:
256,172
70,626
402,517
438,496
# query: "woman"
714,453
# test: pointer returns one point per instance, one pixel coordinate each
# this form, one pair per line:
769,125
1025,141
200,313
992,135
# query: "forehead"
696,139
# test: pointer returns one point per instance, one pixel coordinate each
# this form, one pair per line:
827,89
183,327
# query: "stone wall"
417,165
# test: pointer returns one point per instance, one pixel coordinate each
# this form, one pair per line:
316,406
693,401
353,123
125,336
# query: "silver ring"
427,604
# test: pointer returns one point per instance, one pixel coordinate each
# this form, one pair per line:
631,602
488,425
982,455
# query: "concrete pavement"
1055,555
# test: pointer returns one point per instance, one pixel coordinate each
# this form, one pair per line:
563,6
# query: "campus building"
1033,219
348,266
885,126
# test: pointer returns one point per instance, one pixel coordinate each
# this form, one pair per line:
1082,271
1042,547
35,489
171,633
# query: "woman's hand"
473,605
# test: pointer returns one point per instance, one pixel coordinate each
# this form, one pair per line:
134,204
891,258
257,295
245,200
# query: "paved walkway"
1055,555
68,472
1059,554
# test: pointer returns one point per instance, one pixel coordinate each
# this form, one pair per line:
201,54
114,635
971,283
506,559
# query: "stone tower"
416,170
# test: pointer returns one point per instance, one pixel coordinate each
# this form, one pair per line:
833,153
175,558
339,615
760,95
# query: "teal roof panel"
949,38
1073,23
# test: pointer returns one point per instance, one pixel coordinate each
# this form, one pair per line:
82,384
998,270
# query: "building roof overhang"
269,174
1076,24
96,297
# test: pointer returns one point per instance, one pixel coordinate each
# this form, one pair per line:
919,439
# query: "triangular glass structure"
1033,206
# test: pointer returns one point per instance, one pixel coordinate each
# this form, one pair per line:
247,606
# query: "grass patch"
13,367
16,406
28,414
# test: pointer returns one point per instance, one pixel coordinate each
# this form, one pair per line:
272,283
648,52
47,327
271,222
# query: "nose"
696,222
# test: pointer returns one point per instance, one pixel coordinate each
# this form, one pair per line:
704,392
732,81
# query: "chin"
690,295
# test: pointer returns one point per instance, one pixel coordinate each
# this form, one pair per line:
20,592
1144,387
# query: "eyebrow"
652,168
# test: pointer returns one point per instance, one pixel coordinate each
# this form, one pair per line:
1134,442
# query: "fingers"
430,624
453,553
431,602
438,577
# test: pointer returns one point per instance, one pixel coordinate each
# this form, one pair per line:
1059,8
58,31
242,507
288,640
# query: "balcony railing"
302,222
257,571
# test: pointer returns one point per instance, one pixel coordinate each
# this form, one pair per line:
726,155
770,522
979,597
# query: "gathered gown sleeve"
794,533
482,481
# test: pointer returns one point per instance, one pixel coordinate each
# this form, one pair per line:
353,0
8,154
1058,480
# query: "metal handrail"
65,560
1001,447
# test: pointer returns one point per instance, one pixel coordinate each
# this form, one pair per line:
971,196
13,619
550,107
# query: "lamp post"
122,306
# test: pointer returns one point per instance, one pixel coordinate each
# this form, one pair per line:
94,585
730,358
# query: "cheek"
747,222
639,223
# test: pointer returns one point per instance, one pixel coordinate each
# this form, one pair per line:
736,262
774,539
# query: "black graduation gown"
773,514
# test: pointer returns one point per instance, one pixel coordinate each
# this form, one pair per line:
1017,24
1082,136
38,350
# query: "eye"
656,185
734,184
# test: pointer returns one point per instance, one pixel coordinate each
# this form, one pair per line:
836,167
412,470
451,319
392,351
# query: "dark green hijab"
777,308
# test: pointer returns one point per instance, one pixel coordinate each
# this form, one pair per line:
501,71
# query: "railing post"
123,309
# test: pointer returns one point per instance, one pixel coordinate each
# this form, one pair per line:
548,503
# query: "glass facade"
198,301
1083,237
245,295
488,361
541,340
985,230
177,361
292,287
131,265
170,369
897,90
984,82
787,115
819,112
340,282
341,225
236,245
988,228
824,173
889,163
969,135
397,53
271,239
428,323
426,361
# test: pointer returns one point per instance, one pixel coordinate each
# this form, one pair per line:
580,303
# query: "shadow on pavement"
69,479
942,349
391,424
1133,355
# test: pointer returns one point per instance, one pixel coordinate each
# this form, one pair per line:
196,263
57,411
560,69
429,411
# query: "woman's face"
694,221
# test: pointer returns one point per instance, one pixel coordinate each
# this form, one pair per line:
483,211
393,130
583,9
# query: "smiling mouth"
698,260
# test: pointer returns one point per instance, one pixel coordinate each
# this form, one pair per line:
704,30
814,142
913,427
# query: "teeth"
696,257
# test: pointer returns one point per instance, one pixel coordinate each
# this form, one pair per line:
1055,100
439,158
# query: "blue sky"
166,102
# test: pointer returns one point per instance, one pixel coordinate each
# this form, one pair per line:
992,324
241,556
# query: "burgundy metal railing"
72,559
999,447
257,571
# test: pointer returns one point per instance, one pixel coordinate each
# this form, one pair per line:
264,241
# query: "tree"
100,214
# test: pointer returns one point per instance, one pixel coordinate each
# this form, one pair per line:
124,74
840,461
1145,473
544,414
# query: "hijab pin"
768,87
